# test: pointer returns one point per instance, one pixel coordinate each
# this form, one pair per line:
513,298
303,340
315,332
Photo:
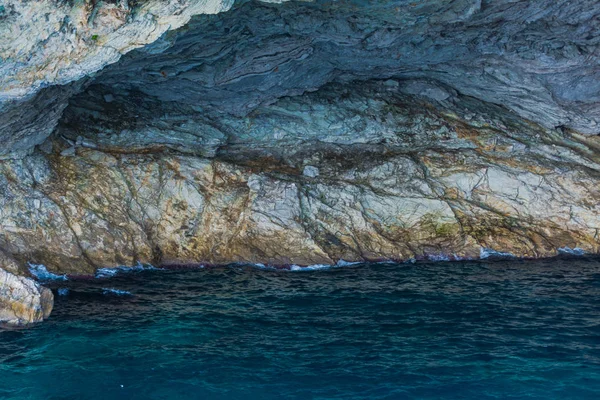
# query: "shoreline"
491,257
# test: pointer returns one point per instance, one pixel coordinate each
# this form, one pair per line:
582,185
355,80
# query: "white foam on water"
40,272
110,272
63,291
314,267
115,292
106,272
573,252
489,253
344,263
437,257
266,267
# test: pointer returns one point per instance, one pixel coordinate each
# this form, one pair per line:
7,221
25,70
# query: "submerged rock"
22,300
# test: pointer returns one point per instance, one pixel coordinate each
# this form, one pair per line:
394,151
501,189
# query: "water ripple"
471,330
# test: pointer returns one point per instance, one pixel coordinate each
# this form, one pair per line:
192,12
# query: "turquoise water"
470,330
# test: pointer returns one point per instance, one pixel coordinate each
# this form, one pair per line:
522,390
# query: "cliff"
298,133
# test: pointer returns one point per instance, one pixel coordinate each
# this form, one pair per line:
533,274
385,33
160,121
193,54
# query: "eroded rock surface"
539,59
22,300
399,177
48,48
55,42
293,133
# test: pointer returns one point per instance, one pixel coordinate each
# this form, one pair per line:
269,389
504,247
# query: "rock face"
22,300
393,176
296,133
52,42
57,42
540,59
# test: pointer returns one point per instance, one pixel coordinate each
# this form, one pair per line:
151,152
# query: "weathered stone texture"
22,300
538,58
307,132
399,177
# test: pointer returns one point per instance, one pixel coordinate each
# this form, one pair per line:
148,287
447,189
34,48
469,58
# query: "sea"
506,329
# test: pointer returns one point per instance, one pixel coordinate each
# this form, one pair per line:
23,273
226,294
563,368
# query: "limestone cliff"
171,132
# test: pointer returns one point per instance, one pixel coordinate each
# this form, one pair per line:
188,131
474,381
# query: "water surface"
469,330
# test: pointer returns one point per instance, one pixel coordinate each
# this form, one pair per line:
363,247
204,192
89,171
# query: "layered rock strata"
354,172
540,59
170,132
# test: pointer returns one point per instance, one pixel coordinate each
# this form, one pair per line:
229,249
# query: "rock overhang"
538,59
